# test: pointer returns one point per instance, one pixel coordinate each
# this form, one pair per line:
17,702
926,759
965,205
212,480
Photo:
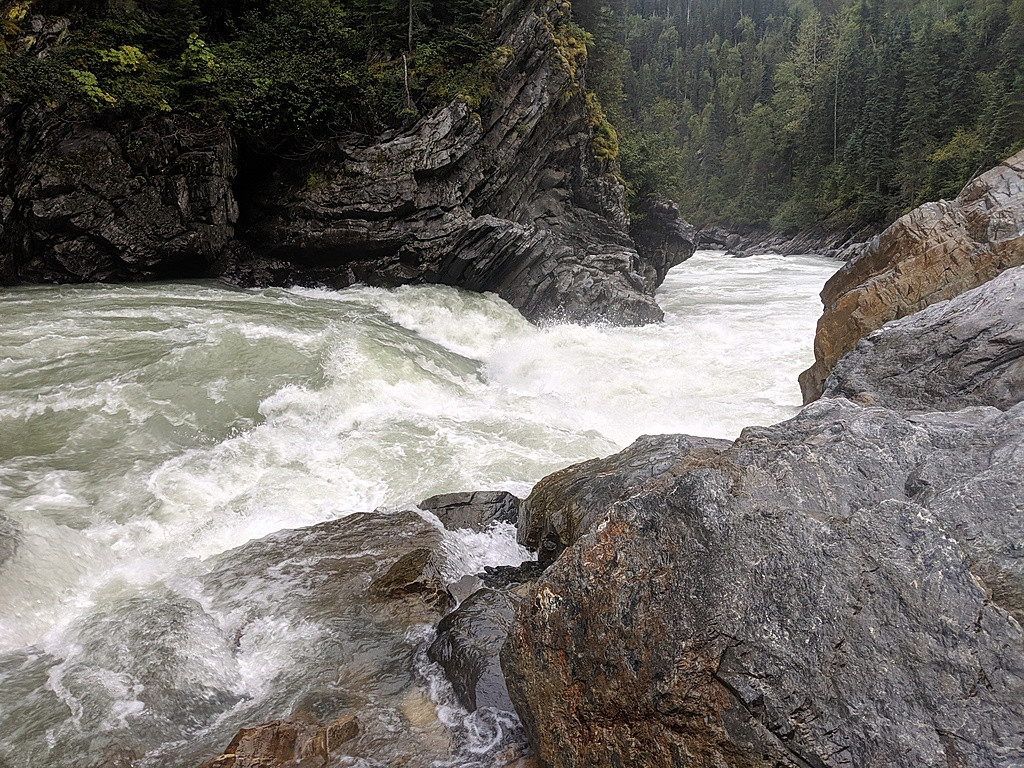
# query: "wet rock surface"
965,351
114,203
286,744
475,510
662,238
842,244
509,198
468,642
349,599
934,253
842,589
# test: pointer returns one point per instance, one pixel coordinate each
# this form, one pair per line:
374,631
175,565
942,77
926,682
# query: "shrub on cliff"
288,75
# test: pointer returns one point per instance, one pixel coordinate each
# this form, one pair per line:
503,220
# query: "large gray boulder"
935,252
842,589
965,351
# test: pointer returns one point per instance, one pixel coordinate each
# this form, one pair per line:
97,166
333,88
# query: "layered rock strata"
510,199
935,252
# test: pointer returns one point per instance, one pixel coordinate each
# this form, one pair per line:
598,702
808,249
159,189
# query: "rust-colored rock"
286,744
934,253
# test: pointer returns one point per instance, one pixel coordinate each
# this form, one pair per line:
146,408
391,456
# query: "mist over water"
147,429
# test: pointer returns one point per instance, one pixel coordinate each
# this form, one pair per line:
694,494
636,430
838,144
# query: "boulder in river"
286,744
842,589
468,642
966,351
566,504
935,252
345,602
475,510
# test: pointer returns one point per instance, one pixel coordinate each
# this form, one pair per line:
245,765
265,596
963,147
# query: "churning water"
146,430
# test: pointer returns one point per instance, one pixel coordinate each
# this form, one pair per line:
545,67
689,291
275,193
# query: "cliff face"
935,252
85,202
510,199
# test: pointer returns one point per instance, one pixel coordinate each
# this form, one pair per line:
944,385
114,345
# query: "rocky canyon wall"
507,197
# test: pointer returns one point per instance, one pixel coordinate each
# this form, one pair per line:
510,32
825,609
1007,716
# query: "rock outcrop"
843,589
84,202
820,240
965,351
563,506
511,198
935,252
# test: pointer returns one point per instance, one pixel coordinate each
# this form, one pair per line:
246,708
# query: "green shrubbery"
287,74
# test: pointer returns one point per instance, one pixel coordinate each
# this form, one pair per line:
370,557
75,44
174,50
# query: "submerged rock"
935,252
965,351
842,589
286,744
346,602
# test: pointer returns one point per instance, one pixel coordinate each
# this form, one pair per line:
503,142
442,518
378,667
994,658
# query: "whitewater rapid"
146,429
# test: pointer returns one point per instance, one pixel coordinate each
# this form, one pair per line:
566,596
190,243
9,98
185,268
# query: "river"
146,430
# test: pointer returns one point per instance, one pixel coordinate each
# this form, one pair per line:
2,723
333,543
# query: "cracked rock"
842,589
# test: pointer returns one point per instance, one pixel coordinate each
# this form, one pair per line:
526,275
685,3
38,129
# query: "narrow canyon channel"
147,431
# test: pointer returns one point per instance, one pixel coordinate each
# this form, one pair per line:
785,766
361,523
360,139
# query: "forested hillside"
791,112
284,75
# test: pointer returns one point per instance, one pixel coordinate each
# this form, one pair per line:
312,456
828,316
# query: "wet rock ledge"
510,198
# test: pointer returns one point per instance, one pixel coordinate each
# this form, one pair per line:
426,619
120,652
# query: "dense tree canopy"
746,112
790,112
285,73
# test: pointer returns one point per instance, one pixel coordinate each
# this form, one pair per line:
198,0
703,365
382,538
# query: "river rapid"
148,430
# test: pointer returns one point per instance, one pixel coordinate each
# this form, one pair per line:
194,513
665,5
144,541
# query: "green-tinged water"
144,430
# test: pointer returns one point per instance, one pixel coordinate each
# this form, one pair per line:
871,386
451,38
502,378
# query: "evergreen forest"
747,113
788,113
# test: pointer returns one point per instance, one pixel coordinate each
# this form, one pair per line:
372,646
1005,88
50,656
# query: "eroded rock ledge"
510,199
935,252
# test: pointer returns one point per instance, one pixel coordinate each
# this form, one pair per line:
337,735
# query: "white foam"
144,429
